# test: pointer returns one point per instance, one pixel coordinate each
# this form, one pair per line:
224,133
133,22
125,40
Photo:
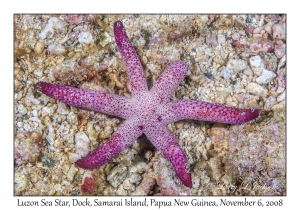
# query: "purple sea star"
146,112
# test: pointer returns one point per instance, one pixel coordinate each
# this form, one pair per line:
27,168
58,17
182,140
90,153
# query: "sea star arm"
168,81
131,60
90,99
165,142
121,139
199,110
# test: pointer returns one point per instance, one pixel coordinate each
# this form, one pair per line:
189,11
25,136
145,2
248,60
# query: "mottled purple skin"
107,103
133,65
120,140
199,110
147,112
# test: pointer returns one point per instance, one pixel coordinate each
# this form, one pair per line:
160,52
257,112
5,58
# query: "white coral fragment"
257,64
82,144
54,24
85,38
265,77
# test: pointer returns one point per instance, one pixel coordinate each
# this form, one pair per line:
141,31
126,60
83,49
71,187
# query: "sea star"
146,112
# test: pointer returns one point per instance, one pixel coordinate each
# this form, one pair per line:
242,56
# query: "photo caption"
153,202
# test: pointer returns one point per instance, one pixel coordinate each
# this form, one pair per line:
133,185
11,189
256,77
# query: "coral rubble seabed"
236,60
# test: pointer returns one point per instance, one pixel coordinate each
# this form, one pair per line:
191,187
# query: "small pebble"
236,64
221,39
26,127
21,182
279,107
20,124
51,135
139,167
47,121
72,118
62,109
38,73
280,50
270,102
22,110
91,131
39,47
105,39
257,64
235,36
106,133
279,31
82,144
256,89
85,38
281,97
128,186
72,172
135,178
34,100
148,155
117,175
34,113
265,77
248,71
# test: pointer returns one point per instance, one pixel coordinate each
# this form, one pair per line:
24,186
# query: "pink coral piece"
76,19
147,112
254,45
